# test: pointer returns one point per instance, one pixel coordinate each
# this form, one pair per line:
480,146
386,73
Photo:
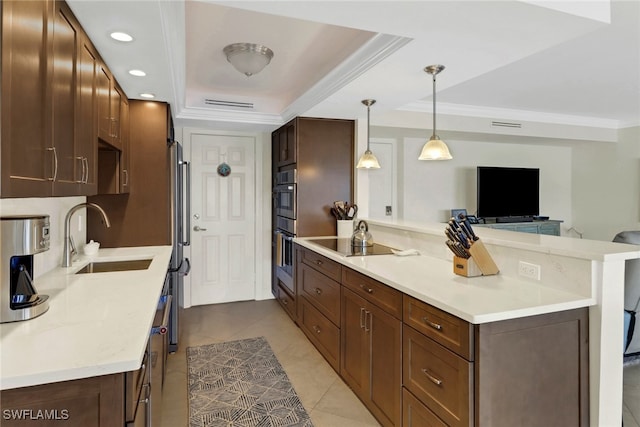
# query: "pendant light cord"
434,108
368,128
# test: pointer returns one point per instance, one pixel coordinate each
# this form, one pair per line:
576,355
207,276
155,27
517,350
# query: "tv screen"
507,192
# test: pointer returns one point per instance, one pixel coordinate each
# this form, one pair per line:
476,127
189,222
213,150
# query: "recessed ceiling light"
147,95
121,37
137,73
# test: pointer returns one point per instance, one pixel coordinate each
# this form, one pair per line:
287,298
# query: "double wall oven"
285,225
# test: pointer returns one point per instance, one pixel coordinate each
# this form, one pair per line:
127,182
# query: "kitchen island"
97,326
576,275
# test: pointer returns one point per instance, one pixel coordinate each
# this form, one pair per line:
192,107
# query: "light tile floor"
328,400
631,408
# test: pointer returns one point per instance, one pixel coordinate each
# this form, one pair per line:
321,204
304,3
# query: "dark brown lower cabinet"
96,401
531,371
371,359
415,365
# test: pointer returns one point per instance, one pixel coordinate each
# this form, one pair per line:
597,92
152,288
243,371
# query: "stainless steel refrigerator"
180,235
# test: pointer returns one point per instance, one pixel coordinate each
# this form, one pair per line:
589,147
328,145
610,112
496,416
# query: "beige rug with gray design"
241,384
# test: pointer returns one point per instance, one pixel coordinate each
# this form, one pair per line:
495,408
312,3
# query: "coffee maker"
21,237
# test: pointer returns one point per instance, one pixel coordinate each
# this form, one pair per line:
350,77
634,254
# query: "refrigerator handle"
187,207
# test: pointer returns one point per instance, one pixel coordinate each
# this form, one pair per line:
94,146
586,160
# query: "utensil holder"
345,228
479,264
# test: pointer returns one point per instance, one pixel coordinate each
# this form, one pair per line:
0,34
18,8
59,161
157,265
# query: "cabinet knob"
318,291
318,262
316,329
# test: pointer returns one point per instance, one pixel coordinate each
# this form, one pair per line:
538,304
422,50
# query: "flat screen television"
508,192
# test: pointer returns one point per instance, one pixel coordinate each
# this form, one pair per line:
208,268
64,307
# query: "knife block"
479,264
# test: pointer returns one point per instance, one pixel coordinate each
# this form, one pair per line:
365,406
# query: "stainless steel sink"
110,266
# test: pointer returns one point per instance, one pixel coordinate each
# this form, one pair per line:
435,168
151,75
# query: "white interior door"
223,219
383,202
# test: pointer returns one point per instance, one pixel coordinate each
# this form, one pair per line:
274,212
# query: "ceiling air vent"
506,125
234,104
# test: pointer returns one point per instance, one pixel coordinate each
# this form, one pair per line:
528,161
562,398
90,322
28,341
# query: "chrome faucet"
69,247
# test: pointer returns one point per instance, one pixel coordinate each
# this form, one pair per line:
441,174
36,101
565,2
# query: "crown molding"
212,114
371,53
511,114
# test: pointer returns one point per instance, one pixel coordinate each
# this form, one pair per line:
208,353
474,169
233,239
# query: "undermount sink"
110,266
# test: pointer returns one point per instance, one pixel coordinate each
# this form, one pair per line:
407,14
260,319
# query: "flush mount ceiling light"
147,95
248,58
121,37
368,160
137,73
435,148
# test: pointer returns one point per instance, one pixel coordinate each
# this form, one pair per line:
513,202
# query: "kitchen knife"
456,249
467,225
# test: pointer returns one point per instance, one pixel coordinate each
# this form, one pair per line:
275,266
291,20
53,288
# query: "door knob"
197,228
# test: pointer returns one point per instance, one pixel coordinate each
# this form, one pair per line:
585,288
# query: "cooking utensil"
361,236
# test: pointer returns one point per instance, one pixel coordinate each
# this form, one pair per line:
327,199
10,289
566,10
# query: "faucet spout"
69,248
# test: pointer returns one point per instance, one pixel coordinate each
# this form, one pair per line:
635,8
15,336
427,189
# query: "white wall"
56,208
606,177
430,189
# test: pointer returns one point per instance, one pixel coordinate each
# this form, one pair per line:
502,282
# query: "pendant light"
368,160
435,148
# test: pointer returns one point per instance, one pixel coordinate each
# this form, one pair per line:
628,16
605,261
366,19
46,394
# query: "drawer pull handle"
435,326
362,317
318,262
431,377
366,288
316,329
318,291
284,301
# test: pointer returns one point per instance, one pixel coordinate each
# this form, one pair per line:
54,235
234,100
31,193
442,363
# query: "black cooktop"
343,246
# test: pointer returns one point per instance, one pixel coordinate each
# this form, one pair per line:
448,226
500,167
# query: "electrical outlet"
531,271
387,210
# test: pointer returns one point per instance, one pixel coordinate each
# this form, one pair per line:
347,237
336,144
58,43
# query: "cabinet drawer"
134,383
324,335
321,291
450,331
416,414
441,379
320,263
385,297
286,301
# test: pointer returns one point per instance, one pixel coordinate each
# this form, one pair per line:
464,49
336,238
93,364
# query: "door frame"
262,250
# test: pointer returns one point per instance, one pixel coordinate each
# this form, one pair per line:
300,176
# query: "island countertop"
477,299
97,324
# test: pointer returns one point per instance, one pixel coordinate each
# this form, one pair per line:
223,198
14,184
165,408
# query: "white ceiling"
541,59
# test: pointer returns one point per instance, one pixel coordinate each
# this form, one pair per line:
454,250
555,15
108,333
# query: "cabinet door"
65,42
125,175
385,336
116,96
354,357
27,151
285,137
105,125
87,130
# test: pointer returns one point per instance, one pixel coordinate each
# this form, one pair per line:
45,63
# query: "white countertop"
97,323
476,300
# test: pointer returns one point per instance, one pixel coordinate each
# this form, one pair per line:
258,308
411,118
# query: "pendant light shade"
435,148
368,160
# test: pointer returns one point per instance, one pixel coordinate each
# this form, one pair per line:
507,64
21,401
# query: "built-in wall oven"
285,226
285,194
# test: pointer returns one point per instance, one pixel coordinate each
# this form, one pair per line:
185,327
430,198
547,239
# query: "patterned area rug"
241,383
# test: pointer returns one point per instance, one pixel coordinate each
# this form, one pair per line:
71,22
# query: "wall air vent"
506,125
222,103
